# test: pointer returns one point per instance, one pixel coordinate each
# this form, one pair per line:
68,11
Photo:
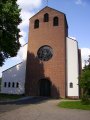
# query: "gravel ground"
40,109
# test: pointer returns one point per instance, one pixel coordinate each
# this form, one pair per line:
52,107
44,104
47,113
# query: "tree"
0,83
9,31
85,82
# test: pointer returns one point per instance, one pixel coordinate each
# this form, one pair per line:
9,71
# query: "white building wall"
14,74
72,68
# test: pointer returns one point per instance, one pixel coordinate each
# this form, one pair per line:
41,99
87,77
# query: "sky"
78,17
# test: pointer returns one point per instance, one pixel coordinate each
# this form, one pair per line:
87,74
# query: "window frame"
13,84
9,84
36,24
17,85
5,84
71,85
55,21
46,17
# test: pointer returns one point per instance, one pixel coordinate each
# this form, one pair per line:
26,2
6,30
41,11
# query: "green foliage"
0,83
85,78
9,31
85,84
85,99
73,105
0,80
10,96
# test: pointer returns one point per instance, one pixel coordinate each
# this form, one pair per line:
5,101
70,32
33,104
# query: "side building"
73,62
13,79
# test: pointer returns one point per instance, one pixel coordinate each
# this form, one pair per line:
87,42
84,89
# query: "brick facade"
54,69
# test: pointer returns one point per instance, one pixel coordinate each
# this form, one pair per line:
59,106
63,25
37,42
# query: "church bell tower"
46,56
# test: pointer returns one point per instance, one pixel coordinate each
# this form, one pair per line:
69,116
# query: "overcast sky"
78,17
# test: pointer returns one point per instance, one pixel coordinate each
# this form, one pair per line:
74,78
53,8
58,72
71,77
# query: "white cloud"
85,52
29,4
81,2
22,54
22,39
27,10
26,13
78,2
74,38
23,33
0,71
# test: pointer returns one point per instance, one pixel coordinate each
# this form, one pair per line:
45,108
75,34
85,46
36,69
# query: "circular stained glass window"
45,53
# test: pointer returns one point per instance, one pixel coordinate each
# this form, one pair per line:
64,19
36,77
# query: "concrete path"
44,110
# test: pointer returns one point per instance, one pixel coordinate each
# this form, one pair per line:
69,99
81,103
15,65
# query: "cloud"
0,72
22,54
74,38
85,52
22,39
79,2
27,11
25,15
29,4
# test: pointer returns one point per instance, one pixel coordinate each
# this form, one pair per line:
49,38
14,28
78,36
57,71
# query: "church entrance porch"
44,87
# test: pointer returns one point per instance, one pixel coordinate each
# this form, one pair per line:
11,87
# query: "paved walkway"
45,110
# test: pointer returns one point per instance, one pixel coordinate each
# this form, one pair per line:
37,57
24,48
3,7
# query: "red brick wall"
55,68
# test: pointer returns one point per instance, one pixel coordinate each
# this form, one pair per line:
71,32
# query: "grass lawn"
73,105
8,96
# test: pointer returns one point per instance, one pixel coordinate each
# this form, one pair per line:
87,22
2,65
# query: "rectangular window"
9,84
13,84
71,85
5,84
17,85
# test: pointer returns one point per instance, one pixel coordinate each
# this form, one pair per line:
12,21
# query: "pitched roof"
50,8
54,10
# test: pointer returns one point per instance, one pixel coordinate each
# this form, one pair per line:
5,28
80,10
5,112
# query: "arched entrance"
44,87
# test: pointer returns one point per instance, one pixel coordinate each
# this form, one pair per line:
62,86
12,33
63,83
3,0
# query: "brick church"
49,60
53,59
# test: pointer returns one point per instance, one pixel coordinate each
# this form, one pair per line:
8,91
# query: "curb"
16,100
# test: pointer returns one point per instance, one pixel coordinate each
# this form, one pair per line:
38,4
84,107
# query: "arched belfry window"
36,24
55,21
46,17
